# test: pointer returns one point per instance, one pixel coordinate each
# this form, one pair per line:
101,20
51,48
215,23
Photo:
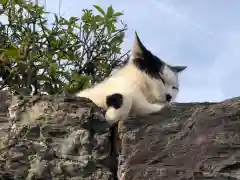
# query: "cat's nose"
168,97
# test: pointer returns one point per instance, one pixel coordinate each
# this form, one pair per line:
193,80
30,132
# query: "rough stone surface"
58,138
50,137
194,141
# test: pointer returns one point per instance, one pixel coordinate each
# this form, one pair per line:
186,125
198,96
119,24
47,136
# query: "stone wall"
187,141
50,137
56,137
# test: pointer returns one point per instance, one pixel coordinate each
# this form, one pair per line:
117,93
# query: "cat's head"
164,75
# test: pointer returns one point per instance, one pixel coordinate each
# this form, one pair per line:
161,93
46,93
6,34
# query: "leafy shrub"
65,56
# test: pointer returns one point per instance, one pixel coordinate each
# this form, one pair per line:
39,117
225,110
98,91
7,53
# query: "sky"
201,34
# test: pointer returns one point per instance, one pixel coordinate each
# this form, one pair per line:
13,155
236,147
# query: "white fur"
142,94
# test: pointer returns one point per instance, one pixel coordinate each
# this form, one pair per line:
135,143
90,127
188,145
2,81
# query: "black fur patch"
114,100
150,64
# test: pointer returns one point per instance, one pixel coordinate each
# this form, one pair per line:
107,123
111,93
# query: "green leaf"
99,9
117,39
3,2
117,14
48,87
22,63
109,12
69,41
12,52
53,68
43,78
73,19
116,50
98,18
87,16
24,91
56,17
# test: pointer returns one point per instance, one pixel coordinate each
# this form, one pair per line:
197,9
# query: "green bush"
64,56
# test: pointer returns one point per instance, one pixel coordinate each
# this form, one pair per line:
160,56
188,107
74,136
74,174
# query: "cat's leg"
143,107
119,106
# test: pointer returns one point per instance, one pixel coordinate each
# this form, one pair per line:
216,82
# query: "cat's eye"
174,88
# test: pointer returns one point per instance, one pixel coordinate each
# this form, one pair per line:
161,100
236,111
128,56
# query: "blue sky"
202,34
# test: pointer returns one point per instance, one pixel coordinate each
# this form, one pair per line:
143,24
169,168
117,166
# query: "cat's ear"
138,49
178,69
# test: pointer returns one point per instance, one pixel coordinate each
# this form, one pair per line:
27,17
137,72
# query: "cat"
143,86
